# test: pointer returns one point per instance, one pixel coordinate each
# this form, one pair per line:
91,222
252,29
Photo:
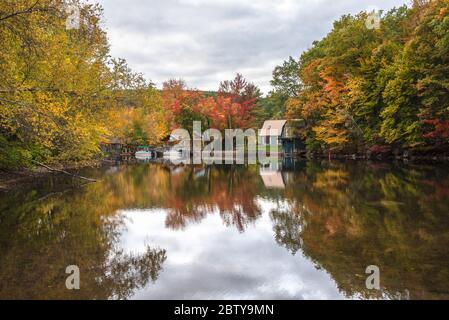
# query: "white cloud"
209,260
206,41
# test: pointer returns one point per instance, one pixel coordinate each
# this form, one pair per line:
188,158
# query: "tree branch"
29,10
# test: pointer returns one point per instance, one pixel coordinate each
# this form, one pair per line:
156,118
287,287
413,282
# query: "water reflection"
286,230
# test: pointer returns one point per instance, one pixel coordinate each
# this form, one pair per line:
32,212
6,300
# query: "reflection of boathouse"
285,133
117,150
277,175
272,176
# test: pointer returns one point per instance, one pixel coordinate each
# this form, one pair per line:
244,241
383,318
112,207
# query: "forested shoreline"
361,91
60,89
378,91
62,95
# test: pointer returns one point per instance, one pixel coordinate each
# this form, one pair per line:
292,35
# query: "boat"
145,153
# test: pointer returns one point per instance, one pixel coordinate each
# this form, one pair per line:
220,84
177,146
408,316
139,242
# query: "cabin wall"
293,146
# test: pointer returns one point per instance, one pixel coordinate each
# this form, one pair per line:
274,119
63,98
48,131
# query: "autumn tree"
418,94
232,107
52,80
184,105
236,102
60,87
363,88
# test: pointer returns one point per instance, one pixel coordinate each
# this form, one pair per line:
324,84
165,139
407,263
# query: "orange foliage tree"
232,107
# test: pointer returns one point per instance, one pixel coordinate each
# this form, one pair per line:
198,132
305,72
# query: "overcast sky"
207,41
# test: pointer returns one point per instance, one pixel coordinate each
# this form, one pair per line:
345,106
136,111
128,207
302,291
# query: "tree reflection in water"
346,217
41,236
341,216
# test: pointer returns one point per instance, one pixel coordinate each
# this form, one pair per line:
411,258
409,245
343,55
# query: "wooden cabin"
284,133
112,147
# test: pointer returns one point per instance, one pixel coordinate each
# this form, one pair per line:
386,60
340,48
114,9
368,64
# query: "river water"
289,230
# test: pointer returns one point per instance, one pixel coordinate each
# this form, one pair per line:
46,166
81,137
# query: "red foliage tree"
441,129
236,102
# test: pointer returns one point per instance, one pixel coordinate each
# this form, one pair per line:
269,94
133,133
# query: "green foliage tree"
286,84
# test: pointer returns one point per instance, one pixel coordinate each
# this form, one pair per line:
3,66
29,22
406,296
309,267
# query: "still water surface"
294,230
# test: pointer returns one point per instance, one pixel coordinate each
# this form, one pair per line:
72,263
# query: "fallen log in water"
64,172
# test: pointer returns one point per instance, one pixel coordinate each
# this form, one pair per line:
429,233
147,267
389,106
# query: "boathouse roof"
273,128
